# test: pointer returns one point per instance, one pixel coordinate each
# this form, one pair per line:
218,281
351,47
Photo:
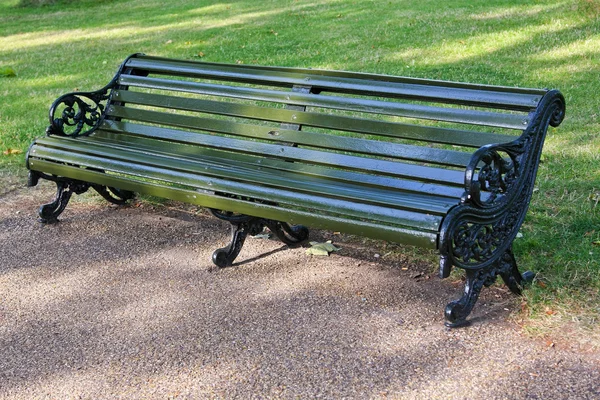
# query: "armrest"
499,181
78,113
494,171
81,113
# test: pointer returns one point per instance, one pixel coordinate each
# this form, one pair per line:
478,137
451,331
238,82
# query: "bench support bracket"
244,225
458,310
48,213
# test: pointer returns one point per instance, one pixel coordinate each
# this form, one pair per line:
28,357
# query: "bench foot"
242,226
225,256
49,213
458,310
288,234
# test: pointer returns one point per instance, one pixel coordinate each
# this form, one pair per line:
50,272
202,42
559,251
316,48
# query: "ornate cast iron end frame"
477,234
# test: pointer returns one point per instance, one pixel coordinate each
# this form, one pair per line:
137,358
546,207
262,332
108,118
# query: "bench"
440,165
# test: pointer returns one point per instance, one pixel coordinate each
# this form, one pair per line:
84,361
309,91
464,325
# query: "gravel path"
123,303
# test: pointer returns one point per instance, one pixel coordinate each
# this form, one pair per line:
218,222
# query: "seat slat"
156,171
429,134
318,140
345,82
254,176
310,173
456,115
301,155
357,227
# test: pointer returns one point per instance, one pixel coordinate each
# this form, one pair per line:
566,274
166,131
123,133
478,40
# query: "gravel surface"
124,303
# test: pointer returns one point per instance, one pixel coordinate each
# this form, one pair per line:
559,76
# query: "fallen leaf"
596,243
321,249
10,151
317,251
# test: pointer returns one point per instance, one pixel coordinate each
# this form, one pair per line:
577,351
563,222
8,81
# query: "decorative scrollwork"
499,183
78,113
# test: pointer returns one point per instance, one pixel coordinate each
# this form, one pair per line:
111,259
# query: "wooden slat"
344,82
290,199
311,139
301,155
258,177
368,105
428,134
377,231
310,173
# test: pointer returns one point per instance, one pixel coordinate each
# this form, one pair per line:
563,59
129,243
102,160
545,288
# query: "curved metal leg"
225,256
507,268
49,212
288,234
458,310
114,195
64,190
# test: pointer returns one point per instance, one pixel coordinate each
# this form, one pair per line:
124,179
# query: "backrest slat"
304,138
348,82
319,120
456,115
316,122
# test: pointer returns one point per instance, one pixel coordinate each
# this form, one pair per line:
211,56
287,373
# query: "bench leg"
288,234
458,310
64,190
225,256
510,274
114,195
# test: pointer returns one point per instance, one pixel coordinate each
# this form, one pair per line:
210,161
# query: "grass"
77,45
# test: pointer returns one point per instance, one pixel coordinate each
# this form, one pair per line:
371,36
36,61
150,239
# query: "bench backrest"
415,134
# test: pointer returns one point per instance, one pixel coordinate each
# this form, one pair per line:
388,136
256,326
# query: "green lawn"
78,45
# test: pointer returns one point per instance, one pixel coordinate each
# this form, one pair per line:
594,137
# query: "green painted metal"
304,138
83,154
368,105
346,82
290,199
229,138
428,134
356,227
382,167
309,173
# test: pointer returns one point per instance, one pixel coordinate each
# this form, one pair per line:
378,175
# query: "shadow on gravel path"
124,303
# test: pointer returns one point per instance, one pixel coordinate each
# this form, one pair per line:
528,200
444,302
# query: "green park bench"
440,165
